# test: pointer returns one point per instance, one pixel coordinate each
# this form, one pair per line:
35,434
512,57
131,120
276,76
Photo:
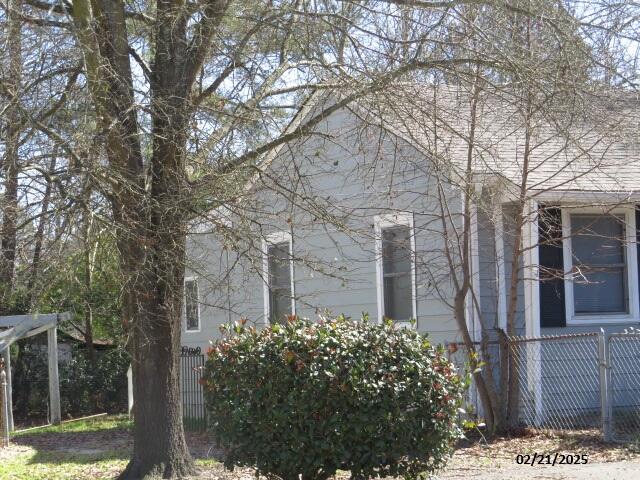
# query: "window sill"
412,326
602,320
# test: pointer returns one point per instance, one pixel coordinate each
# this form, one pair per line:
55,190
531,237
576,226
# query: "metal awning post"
4,415
6,355
54,385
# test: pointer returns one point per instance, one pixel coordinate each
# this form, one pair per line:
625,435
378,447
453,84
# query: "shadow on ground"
97,445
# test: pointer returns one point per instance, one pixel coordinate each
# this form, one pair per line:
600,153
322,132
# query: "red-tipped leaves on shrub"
309,398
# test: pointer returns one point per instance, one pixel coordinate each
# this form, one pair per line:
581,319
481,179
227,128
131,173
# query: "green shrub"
310,398
87,388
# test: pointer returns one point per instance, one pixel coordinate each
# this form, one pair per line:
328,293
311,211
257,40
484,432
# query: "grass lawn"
102,424
100,448
87,449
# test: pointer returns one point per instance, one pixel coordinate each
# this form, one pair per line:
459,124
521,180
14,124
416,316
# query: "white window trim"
273,239
632,268
191,279
385,221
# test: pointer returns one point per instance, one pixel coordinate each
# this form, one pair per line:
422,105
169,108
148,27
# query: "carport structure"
17,327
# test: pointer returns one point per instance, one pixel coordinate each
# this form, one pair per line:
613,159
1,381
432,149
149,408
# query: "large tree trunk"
151,223
10,164
155,304
153,259
159,445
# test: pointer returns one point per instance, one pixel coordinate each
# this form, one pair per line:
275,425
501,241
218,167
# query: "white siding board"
358,188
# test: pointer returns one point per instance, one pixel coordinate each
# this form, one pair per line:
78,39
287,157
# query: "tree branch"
200,44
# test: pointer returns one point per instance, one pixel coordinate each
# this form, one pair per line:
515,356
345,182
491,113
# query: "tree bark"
10,164
150,227
159,445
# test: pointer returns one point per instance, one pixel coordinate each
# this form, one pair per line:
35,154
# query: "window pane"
398,304
396,272
279,282
598,257
191,304
396,249
279,265
604,292
597,239
279,305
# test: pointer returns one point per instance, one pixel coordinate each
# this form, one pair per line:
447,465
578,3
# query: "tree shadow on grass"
79,457
91,446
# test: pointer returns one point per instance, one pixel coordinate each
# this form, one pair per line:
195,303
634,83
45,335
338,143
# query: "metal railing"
194,414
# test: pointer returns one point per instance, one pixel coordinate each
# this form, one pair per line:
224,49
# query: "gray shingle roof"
585,143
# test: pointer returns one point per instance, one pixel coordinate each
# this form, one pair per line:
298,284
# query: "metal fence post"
4,408
605,391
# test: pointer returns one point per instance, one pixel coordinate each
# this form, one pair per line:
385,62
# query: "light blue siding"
355,174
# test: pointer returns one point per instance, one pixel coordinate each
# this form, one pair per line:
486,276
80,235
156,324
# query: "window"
599,264
396,267
601,258
278,270
191,305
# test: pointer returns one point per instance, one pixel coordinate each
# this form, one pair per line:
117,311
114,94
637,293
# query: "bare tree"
188,100
10,161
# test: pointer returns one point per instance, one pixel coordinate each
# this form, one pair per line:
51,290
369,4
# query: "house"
69,338
368,214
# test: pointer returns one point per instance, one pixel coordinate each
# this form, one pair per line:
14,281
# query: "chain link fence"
558,381
586,381
623,352
579,381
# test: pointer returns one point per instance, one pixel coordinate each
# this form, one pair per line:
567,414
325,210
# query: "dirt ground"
472,459
498,460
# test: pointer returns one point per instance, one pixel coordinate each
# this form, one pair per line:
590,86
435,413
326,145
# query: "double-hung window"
395,262
191,305
278,274
600,256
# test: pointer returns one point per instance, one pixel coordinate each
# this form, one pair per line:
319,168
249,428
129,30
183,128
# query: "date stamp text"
534,459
